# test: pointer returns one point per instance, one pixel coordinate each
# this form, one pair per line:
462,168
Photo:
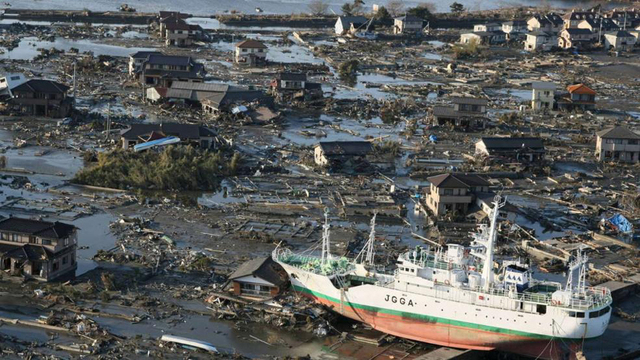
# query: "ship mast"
579,262
367,253
489,243
326,245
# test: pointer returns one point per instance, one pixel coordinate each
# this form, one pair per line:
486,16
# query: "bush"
470,49
175,168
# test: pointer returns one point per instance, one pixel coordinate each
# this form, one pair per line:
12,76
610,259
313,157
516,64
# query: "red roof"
251,44
580,89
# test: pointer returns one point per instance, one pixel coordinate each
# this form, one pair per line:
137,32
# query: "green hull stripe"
425,318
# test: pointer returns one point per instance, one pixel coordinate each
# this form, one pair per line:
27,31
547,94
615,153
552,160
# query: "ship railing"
313,263
599,298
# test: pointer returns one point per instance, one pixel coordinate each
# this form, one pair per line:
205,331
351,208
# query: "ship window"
541,309
576,314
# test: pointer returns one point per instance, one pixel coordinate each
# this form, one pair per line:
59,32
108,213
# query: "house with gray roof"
162,70
261,277
36,249
39,97
511,149
618,143
454,193
329,153
466,113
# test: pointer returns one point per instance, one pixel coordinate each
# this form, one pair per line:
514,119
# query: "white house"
619,40
540,41
576,38
9,81
251,52
542,95
487,27
407,24
514,27
136,60
618,144
483,37
345,23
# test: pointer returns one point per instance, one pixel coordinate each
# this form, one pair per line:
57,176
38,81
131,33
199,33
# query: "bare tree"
318,7
395,7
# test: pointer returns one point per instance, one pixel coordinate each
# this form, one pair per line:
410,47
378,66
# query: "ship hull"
442,334
437,320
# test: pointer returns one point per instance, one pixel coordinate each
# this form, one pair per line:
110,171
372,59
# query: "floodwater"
52,167
28,48
277,53
93,235
361,91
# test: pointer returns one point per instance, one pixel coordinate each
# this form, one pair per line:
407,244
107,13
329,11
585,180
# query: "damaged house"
339,153
542,95
346,24
187,134
577,97
540,41
235,101
576,38
295,86
550,23
483,37
251,53
454,193
466,113
163,70
8,82
621,40
37,97
136,60
261,277
213,98
511,149
177,32
514,28
407,24
618,144
38,249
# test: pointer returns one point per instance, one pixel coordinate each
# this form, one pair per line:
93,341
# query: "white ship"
456,297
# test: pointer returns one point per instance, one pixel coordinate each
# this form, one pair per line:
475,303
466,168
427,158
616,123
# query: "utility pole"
74,81
108,125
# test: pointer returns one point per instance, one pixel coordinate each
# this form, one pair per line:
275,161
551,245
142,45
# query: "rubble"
161,232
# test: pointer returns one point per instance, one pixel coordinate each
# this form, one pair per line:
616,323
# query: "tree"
318,7
347,9
422,11
383,17
356,7
395,7
456,7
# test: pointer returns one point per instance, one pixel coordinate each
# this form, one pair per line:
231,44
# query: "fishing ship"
456,296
